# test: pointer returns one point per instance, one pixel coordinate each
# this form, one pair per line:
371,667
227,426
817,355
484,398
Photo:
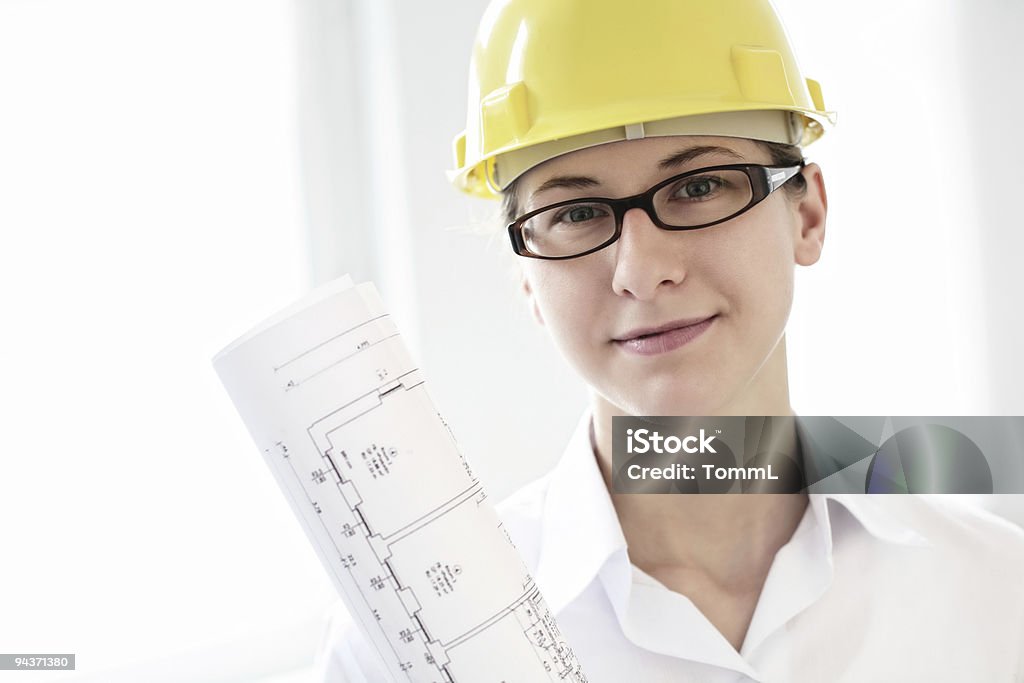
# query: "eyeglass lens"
695,200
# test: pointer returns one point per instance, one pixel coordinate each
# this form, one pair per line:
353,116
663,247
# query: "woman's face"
738,275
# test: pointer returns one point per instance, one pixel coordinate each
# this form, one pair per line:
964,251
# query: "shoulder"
527,501
955,525
973,566
943,522
524,508
925,573
967,552
522,514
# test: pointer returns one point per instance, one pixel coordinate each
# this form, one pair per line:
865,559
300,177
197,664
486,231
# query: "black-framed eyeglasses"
689,201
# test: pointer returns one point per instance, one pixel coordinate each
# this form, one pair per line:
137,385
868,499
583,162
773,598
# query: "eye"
697,188
579,213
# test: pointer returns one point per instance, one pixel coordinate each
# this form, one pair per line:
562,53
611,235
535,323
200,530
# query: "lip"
674,325
649,341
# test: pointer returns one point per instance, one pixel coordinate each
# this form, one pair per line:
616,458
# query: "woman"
649,160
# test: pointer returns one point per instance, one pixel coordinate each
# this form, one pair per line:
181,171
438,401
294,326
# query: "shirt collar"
580,529
835,456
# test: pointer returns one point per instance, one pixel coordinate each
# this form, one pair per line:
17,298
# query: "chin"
671,401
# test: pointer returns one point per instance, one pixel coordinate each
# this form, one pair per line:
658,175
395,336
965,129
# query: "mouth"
663,338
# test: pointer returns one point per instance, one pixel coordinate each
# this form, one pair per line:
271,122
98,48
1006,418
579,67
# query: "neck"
731,538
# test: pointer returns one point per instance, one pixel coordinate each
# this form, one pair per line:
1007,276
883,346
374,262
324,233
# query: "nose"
647,258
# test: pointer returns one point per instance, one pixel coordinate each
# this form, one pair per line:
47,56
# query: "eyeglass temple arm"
777,177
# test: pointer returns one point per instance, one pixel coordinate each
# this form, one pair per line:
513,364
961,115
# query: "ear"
811,212
530,298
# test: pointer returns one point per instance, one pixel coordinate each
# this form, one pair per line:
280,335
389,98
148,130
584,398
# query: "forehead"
649,159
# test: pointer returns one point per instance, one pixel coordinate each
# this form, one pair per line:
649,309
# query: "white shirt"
870,588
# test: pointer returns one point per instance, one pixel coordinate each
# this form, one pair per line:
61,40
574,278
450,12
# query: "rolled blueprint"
340,412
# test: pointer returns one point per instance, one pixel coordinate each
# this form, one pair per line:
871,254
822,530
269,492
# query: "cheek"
569,299
762,274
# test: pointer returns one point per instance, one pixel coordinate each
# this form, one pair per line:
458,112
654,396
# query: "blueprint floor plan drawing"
340,412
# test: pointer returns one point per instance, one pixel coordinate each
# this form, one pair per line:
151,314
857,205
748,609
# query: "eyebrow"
576,182
573,182
686,155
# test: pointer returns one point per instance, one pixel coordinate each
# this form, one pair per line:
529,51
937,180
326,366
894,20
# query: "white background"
173,172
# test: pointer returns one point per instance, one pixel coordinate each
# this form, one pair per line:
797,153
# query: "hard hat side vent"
814,88
459,150
761,75
504,116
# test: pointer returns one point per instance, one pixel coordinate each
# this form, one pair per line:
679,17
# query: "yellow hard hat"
551,76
